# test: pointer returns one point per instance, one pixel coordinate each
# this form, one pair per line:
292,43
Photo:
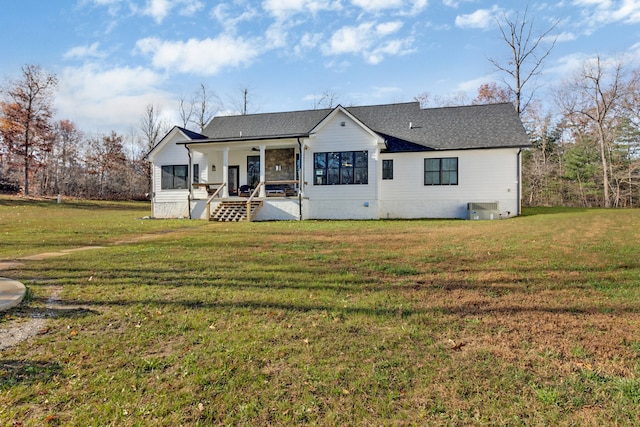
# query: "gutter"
519,190
189,180
300,181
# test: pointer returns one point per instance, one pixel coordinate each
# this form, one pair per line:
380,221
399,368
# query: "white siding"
174,203
356,201
483,176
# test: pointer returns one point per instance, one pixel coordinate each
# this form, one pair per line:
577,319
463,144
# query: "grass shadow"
21,372
53,312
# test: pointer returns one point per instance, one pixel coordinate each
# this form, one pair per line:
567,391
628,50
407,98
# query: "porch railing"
281,188
213,195
250,199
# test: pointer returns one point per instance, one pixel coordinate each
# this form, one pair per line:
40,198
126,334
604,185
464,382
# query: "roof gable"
336,111
176,133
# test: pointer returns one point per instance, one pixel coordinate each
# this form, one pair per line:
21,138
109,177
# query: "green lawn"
531,320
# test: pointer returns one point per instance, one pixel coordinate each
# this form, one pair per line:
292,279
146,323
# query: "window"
174,177
441,171
253,171
344,167
387,169
196,173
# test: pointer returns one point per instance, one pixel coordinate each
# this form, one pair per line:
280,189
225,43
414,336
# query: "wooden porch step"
234,211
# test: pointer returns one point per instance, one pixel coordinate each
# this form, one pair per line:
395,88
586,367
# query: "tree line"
585,135
43,157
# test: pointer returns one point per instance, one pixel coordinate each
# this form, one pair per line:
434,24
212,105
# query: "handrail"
206,184
250,199
215,193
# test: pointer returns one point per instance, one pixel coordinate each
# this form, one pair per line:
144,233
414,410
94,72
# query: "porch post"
225,172
263,191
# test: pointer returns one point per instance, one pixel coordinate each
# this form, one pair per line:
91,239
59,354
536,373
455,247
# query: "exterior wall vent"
483,210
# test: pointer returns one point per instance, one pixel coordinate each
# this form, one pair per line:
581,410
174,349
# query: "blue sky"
114,57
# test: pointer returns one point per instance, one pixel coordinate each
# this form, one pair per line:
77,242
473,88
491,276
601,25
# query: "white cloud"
567,65
369,40
598,13
388,28
375,6
599,3
350,40
563,37
481,18
204,57
378,4
109,99
283,9
231,19
455,3
113,6
391,48
276,35
338,66
80,52
160,9
471,86
307,42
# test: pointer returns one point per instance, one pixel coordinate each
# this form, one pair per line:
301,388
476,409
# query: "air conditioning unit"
483,210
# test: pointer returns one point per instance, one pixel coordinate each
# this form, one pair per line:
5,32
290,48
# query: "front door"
232,180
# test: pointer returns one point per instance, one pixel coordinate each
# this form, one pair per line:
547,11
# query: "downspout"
519,189
300,181
189,180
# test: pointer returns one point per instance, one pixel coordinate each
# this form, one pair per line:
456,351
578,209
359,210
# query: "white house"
367,162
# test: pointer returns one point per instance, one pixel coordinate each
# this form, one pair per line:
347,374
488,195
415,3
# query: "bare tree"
185,110
327,99
27,115
205,106
63,164
152,126
244,104
590,101
527,53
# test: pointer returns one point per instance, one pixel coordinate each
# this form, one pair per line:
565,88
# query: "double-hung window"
174,177
343,167
441,171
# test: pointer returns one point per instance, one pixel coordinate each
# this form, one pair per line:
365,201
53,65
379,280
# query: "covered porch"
245,180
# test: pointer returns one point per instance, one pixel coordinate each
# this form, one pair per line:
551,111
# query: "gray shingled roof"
405,127
277,125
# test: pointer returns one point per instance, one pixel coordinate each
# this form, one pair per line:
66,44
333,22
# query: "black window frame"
341,168
387,169
441,171
170,180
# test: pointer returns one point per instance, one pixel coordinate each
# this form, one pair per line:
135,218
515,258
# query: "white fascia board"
170,136
340,109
